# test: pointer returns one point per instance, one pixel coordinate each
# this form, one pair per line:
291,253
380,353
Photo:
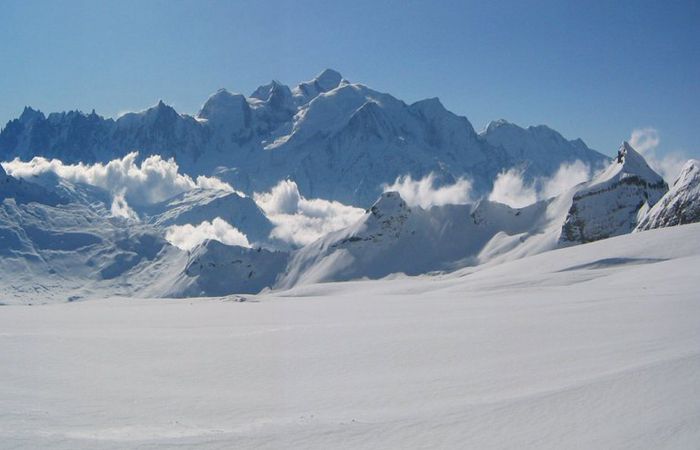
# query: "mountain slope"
199,205
538,149
393,237
610,204
68,251
680,205
216,269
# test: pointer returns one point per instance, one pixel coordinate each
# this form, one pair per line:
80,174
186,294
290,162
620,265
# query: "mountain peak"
691,169
388,204
680,205
162,110
429,104
29,114
494,124
226,108
634,163
265,91
328,79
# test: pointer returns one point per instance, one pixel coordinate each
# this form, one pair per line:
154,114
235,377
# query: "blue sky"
595,70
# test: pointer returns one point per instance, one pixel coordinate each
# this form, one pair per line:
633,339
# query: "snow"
336,139
610,204
98,230
539,149
681,204
593,346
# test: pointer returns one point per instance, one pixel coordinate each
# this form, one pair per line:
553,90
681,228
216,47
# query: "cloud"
284,198
646,141
186,237
510,188
121,209
567,176
300,221
153,180
423,192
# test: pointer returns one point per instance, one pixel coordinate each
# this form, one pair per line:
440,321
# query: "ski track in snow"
593,346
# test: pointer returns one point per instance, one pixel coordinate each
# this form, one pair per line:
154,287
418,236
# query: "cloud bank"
154,180
300,221
423,192
186,237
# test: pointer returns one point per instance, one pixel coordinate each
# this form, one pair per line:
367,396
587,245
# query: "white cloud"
511,189
567,176
188,236
646,141
121,209
284,198
300,221
423,192
154,180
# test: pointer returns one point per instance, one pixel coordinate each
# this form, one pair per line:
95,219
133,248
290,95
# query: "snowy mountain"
540,149
680,205
199,205
394,238
216,269
338,140
64,235
612,203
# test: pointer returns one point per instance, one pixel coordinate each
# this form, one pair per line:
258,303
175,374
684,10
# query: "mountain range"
77,231
338,140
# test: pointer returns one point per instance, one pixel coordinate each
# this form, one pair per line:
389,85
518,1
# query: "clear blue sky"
594,70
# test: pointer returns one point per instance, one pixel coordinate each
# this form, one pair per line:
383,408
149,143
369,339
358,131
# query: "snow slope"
593,346
681,204
65,252
216,269
196,206
338,140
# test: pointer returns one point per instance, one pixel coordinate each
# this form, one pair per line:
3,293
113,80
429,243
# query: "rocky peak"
30,115
680,205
